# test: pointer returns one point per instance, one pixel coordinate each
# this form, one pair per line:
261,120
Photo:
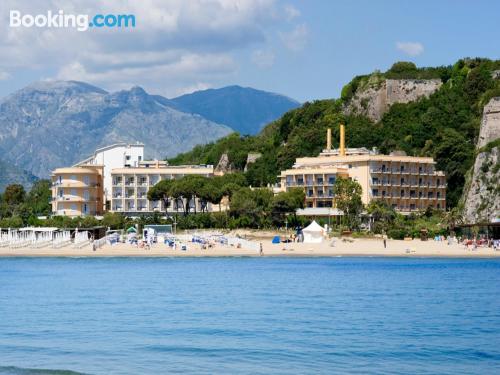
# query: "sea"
249,316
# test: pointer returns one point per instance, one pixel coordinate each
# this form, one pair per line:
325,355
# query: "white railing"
61,239
81,239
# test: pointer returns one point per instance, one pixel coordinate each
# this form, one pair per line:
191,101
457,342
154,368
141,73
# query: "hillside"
57,123
10,174
443,124
244,109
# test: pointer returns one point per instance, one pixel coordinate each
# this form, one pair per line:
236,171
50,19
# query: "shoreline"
342,248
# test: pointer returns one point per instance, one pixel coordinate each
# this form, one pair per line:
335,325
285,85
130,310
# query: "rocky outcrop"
482,198
376,97
252,158
490,124
224,165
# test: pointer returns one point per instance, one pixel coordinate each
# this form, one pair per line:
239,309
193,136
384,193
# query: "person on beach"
261,250
384,237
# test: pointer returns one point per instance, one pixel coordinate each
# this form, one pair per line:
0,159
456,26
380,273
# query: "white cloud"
263,59
175,43
192,88
410,48
291,12
4,76
296,39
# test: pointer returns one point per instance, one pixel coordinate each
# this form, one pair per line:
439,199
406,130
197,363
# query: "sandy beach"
341,247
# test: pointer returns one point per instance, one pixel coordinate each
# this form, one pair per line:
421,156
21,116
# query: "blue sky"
304,49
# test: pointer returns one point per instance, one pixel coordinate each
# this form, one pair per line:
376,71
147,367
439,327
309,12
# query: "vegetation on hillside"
444,126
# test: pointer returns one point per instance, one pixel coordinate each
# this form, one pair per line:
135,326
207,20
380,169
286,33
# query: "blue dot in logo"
91,24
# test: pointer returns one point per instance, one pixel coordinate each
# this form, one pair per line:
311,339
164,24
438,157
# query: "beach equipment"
276,239
314,233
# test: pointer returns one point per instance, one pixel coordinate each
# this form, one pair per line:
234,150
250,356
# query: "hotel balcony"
75,184
74,198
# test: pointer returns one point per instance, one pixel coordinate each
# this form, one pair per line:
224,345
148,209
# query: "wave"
13,370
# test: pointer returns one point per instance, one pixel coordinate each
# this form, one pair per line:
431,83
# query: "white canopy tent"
314,233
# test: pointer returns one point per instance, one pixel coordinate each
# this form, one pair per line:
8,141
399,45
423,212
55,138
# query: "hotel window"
73,177
320,192
438,195
330,192
73,192
86,180
86,195
300,181
402,168
430,195
412,207
331,180
61,193
319,180
438,182
383,167
402,193
73,207
402,181
310,193
374,181
127,157
375,192
383,193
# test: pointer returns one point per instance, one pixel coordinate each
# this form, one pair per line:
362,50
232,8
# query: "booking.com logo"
78,21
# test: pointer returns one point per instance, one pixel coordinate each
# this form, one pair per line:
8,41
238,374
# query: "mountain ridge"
51,124
244,109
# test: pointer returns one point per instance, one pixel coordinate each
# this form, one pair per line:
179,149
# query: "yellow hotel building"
406,183
78,191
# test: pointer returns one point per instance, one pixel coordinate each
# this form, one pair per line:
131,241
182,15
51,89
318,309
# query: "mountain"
10,174
433,111
244,109
57,123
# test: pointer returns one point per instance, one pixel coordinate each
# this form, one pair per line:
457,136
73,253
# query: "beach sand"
347,247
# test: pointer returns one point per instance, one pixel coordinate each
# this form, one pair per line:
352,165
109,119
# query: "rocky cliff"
377,95
482,198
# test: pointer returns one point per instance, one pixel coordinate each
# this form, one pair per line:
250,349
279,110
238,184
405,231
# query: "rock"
482,197
374,99
224,165
490,124
252,158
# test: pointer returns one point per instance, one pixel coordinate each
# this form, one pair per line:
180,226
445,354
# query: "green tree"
162,191
348,199
382,214
286,203
251,206
38,199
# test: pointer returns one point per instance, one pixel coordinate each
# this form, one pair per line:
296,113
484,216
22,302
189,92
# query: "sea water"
249,316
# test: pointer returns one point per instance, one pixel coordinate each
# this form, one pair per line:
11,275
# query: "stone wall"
376,99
